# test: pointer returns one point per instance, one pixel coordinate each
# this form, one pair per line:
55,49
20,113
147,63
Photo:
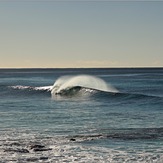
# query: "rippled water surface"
81,115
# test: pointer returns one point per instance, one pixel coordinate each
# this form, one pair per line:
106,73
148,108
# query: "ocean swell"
73,83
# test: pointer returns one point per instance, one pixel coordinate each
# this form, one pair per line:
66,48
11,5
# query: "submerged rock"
38,146
72,139
32,159
16,150
41,149
43,158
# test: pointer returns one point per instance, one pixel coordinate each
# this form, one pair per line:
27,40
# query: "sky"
79,34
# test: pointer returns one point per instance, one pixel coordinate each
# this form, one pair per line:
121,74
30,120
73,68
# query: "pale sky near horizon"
54,34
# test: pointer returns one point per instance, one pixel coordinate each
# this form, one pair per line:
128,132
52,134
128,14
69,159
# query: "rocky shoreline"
66,149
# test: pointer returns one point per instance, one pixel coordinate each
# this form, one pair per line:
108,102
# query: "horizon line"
146,67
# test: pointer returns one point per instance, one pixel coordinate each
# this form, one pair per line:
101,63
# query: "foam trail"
21,87
85,81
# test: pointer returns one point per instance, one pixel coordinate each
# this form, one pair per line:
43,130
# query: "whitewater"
81,115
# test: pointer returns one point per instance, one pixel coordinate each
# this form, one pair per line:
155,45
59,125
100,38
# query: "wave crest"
77,83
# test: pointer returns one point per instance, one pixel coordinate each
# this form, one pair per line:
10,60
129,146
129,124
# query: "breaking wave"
81,86
73,84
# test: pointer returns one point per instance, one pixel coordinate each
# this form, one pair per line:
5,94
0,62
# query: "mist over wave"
86,82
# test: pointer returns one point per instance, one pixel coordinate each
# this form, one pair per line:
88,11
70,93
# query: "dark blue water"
81,123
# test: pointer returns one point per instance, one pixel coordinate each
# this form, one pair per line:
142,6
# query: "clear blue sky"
81,34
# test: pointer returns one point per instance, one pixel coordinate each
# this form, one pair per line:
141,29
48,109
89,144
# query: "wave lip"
87,82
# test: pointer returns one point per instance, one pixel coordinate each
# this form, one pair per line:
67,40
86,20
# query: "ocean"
112,115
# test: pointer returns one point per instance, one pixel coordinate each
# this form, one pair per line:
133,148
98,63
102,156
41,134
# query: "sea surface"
81,115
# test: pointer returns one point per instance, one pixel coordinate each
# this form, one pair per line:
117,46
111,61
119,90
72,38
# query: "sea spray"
84,81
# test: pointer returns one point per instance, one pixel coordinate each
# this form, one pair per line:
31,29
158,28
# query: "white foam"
48,88
43,88
64,150
20,87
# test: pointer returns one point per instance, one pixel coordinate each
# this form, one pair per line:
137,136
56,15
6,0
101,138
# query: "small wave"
123,134
137,96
